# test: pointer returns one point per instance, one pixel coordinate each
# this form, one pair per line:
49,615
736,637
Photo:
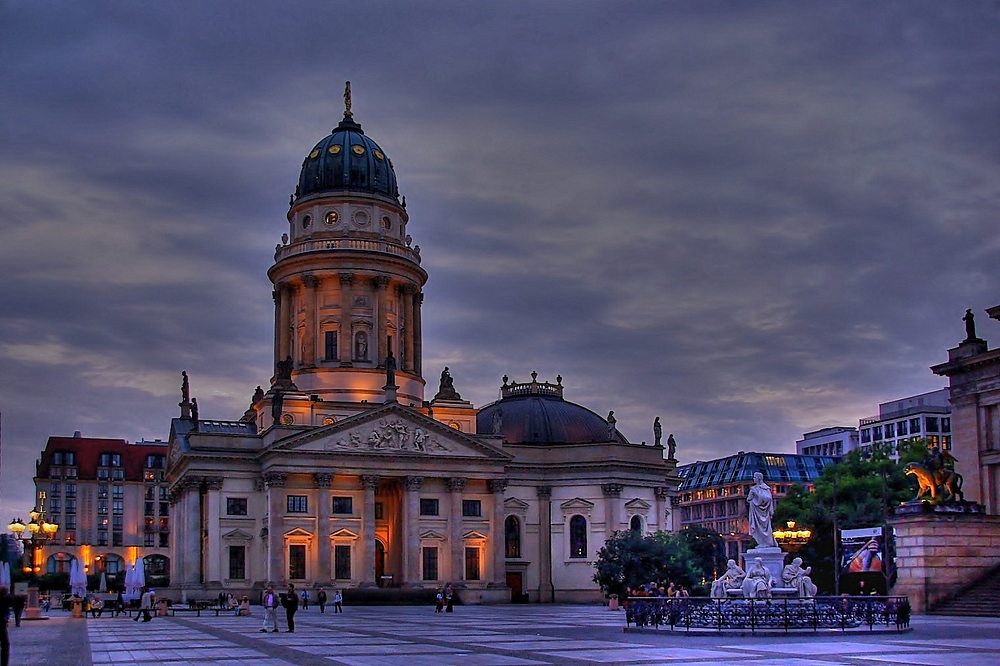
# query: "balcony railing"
347,244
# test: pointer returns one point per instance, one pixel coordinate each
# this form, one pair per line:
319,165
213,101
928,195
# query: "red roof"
88,451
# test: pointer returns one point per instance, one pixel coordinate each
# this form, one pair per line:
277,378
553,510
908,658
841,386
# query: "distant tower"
347,285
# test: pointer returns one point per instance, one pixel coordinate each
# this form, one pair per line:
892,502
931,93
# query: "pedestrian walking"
145,605
305,599
440,602
321,600
338,600
291,603
270,602
119,604
449,595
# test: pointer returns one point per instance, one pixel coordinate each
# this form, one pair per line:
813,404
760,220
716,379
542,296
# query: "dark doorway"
379,563
515,581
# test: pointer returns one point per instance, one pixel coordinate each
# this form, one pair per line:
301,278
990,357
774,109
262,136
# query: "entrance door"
515,583
379,563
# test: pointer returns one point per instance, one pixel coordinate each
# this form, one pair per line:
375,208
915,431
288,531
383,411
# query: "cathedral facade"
341,474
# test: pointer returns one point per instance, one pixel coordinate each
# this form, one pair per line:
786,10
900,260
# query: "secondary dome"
536,413
347,160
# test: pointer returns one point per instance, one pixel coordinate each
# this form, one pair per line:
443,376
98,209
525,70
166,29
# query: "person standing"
291,605
145,605
321,600
305,599
338,601
449,595
119,604
270,604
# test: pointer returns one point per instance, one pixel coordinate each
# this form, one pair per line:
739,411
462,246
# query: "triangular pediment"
431,535
576,504
637,504
344,533
515,504
298,533
237,535
390,430
473,534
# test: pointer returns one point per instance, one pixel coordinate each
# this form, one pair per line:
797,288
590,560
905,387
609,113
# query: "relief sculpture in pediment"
388,435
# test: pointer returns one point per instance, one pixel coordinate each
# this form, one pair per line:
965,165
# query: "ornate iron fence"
770,615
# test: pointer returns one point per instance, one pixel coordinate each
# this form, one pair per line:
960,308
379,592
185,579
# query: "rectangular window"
915,426
70,457
104,460
342,562
117,491
118,474
297,562
102,473
150,493
70,522
116,460
343,505
866,435
932,424
945,424
70,490
298,504
54,506
149,475
428,507
890,430
901,429
164,493
147,509
117,507
472,508
70,538
116,539
102,507
102,491
236,506
164,540
330,345
237,562
70,473
57,458
164,508
378,511
117,522
471,564
54,490
102,538
430,563
149,540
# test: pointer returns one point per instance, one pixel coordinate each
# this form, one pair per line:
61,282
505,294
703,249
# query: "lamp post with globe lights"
32,535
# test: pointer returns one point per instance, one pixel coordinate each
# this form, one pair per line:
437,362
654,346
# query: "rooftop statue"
446,391
657,431
671,447
970,326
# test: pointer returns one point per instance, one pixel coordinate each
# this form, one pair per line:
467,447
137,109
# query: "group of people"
445,599
290,601
240,607
654,589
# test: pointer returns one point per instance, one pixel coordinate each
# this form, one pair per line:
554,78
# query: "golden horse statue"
944,481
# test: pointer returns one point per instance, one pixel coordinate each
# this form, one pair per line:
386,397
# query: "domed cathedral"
341,475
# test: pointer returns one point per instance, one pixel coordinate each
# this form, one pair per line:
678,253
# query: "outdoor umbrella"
78,579
132,588
103,587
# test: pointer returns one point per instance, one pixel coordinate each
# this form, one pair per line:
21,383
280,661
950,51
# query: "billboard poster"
863,561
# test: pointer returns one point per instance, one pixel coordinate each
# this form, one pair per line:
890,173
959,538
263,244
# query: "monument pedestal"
773,558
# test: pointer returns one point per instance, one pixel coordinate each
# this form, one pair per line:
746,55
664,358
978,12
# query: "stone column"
275,482
612,497
497,534
381,304
323,508
215,570
370,483
546,591
179,533
345,345
406,346
285,296
455,539
276,295
418,344
311,284
411,530
192,519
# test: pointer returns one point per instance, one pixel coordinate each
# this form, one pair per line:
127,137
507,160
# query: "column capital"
310,280
370,481
190,483
407,289
497,485
456,484
382,281
413,483
214,482
322,479
346,279
612,489
544,492
275,479
662,492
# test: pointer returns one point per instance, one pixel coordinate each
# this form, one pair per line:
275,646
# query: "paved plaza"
477,636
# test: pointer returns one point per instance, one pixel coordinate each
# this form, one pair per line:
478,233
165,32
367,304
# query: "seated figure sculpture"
730,580
757,584
793,575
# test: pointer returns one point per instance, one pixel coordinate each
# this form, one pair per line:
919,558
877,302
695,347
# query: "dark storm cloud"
752,220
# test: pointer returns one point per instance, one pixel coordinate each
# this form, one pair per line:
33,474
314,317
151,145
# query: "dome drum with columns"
340,475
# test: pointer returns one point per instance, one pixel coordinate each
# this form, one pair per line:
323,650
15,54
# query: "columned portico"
322,481
275,483
369,482
455,487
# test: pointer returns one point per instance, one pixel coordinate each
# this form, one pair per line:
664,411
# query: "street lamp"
792,539
32,535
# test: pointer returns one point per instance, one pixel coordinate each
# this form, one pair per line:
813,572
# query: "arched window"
512,536
156,565
635,524
59,563
109,563
578,536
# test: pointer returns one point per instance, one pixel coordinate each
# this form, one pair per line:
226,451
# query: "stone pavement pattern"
478,636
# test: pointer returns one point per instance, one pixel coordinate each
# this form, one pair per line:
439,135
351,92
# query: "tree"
868,485
708,551
629,559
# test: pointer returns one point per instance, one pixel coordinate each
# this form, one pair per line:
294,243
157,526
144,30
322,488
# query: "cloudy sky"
749,219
